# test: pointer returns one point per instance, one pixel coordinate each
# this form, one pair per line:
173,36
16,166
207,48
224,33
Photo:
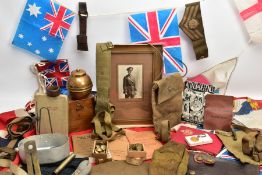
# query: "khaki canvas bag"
247,148
167,104
170,159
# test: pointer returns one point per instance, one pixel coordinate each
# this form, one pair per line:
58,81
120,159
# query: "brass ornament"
79,84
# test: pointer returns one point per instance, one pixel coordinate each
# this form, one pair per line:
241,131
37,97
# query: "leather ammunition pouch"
167,104
192,26
170,159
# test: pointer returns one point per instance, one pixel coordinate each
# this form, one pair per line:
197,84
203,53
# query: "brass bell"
79,84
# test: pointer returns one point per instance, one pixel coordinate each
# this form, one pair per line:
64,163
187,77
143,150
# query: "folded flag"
159,27
250,12
43,27
55,74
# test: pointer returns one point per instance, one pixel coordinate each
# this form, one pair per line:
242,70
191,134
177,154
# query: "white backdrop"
225,34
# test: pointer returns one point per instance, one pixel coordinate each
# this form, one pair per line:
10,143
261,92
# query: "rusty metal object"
79,84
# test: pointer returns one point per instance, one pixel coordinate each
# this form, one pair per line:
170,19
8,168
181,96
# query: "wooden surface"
81,113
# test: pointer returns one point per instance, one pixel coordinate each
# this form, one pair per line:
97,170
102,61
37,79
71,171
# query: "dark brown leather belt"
82,38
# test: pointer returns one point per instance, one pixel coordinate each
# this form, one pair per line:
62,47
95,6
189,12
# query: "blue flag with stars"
43,27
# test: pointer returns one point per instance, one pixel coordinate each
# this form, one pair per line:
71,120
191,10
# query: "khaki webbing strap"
7,153
32,161
258,144
12,143
103,75
248,143
104,127
165,130
13,168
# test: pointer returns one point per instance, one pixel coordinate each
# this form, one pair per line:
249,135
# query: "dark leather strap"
82,38
24,124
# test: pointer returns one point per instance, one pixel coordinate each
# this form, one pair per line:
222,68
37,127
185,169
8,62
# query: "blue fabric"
64,90
245,109
47,169
159,27
42,28
4,142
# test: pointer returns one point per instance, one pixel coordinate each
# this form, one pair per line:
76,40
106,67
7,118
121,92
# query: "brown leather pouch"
218,112
81,113
221,167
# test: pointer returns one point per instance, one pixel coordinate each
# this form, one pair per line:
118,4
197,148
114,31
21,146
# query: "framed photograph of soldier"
133,70
130,83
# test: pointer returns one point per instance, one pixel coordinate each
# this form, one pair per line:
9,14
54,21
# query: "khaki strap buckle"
32,160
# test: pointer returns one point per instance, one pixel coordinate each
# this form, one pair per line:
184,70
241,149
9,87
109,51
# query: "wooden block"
81,113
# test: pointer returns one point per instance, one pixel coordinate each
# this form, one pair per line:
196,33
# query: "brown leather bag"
218,112
221,167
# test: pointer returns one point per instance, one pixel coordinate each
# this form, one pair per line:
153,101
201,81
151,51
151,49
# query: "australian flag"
159,27
43,28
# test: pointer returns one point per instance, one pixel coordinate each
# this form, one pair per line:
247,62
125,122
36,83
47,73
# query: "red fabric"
141,129
200,79
251,11
5,118
212,148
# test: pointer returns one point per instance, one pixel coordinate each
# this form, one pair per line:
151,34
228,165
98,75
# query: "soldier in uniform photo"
129,84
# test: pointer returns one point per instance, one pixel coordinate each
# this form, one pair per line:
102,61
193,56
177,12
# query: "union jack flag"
159,27
43,28
57,20
56,74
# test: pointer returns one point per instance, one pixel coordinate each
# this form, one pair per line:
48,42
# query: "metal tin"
79,84
51,148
